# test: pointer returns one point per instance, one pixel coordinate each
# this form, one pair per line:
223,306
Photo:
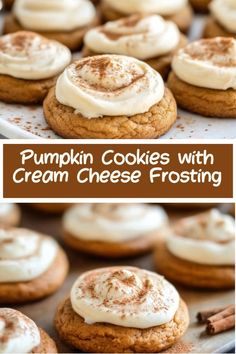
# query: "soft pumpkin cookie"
199,251
116,303
203,77
29,66
110,97
19,334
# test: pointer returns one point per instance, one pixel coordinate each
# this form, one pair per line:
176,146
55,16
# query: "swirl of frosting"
18,333
54,15
207,238
113,222
142,37
109,85
224,11
29,56
209,63
124,296
160,7
24,254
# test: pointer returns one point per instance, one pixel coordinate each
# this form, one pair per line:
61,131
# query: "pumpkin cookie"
222,19
110,97
10,214
19,334
66,22
29,66
37,269
203,79
199,251
179,12
146,37
200,5
116,303
113,230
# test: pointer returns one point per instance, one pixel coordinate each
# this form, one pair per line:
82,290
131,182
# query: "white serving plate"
27,122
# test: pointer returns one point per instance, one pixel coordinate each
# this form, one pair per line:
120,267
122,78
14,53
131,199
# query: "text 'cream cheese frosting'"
29,56
24,254
209,63
124,296
113,222
139,36
54,15
109,85
160,7
207,238
224,11
18,333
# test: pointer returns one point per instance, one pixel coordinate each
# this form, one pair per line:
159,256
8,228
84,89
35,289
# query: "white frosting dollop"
109,85
224,11
209,63
54,15
124,296
18,333
207,238
160,7
142,37
6,209
24,254
113,222
29,56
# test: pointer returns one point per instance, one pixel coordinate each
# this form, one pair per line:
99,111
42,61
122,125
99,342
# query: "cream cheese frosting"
160,7
113,222
6,209
209,63
24,254
54,15
142,37
18,333
207,238
29,56
124,296
224,11
109,85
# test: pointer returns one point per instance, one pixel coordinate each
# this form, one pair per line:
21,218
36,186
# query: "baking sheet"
194,341
17,121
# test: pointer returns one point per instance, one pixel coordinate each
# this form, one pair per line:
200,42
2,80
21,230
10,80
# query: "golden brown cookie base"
12,219
200,5
203,101
47,344
134,247
52,208
71,39
162,64
108,338
152,124
38,288
213,29
13,90
182,18
192,274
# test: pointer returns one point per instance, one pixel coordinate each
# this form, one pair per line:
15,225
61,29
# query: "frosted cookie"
178,11
29,66
149,38
222,19
65,21
110,97
203,77
32,266
200,5
19,334
10,214
113,230
199,251
138,309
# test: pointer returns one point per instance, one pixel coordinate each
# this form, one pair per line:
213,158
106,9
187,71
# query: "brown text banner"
118,170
